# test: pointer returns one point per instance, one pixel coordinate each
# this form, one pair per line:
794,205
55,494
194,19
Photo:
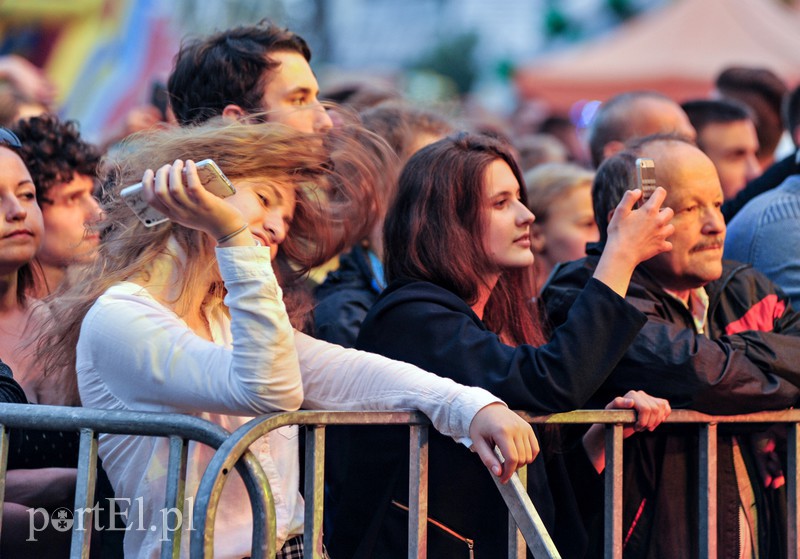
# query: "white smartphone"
211,177
645,179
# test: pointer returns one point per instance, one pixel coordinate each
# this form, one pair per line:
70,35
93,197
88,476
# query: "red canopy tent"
678,49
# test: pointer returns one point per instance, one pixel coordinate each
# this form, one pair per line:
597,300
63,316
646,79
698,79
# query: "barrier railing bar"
613,488
526,517
175,493
677,416
84,494
516,541
792,484
3,467
418,492
238,442
58,418
708,497
314,490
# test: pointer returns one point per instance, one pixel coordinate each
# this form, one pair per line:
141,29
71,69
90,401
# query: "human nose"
275,226
93,211
524,215
322,120
753,169
714,223
14,210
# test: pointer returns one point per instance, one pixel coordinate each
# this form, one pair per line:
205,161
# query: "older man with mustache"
720,338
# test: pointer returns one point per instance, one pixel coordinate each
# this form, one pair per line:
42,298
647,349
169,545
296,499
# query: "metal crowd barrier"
707,470
178,428
526,529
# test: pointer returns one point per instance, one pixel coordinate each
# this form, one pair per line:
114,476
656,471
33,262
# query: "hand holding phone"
211,177
645,179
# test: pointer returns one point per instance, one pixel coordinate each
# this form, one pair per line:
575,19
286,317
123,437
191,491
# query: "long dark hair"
434,229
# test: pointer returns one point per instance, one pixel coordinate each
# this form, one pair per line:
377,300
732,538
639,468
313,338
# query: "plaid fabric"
293,549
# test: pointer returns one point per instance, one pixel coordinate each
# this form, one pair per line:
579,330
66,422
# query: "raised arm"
633,237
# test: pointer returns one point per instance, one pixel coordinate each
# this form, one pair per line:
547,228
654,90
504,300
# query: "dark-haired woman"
458,259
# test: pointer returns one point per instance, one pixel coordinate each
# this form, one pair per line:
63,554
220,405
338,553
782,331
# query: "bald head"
694,194
634,115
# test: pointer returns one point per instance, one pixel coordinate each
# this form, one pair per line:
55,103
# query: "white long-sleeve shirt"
135,354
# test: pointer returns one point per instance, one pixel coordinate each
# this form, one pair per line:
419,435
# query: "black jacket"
344,298
426,325
747,362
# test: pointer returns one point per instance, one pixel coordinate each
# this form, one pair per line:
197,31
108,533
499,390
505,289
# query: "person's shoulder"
741,279
574,274
777,205
407,290
351,275
119,302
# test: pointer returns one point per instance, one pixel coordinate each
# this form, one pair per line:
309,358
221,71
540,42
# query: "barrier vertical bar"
84,495
613,491
792,484
707,489
516,542
314,490
176,487
418,492
3,468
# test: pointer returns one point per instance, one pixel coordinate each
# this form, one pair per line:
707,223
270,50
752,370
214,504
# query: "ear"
233,112
611,148
610,215
538,238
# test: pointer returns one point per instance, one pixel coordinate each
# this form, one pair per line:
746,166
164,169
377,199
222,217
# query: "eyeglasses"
8,138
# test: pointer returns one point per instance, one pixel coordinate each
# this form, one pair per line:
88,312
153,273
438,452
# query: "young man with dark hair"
779,171
763,91
247,70
766,231
727,135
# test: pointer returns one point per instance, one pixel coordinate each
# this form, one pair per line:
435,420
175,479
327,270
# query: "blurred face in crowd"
732,147
22,219
69,210
507,239
569,226
695,195
660,116
291,93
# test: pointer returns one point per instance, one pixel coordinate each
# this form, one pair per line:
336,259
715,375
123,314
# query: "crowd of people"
471,271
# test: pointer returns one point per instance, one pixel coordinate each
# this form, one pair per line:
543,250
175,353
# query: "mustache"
716,242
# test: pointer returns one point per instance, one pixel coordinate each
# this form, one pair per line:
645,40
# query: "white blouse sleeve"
336,378
143,353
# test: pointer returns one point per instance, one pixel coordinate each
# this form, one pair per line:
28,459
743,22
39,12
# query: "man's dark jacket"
747,362
344,298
